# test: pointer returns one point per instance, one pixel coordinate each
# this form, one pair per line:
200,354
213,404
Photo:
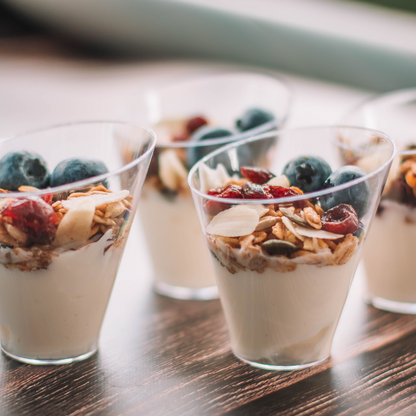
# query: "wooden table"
160,356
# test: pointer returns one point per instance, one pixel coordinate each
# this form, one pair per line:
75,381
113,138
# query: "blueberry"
73,170
307,172
205,133
358,196
252,118
23,168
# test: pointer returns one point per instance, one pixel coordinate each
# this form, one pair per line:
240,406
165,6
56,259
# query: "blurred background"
66,60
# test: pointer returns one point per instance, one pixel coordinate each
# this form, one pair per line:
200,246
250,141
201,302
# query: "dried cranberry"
230,191
180,137
281,191
256,175
254,191
48,198
341,219
214,207
34,217
195,123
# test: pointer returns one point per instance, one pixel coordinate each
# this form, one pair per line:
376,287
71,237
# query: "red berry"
180,137
341,219
48,198
256,175
195,123
33,216
281,191
254,191
214,207
230,191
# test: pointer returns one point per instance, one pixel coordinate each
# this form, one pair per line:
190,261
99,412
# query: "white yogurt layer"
57,312
175,240
390,253
284,318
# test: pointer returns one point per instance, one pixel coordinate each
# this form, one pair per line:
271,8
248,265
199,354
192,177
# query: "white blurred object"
354,43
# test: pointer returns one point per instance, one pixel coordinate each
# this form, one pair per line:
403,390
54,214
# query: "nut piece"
313,219
17,234
114,210
266,222
234,222
172,172
76,224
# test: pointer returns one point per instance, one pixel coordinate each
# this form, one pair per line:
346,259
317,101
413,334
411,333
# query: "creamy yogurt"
287,318
390,252
57,312
175,240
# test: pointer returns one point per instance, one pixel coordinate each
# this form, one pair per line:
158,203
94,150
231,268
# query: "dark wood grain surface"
160,356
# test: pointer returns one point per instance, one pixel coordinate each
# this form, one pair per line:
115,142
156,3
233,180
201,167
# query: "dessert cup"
390,251
60,247
180,265
282,280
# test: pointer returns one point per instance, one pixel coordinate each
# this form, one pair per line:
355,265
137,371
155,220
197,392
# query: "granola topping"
33,231
281,236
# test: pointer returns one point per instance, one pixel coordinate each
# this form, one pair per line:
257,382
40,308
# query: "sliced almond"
212,178
76,224
172,172
234,222
312,233
279,181
291,226
99,199
260,209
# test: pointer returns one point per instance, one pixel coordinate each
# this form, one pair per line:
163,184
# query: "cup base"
178,292
273,367
35,361
390,305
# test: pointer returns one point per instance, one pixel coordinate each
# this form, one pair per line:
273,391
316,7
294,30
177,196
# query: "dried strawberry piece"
34,217
342,219
195,123
256,175
254,191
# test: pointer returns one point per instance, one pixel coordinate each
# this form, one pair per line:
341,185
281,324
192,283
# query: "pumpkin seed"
295,218
279,247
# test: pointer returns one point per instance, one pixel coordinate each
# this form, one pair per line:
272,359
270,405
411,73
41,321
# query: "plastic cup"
181,267
60,247
389,253
283,282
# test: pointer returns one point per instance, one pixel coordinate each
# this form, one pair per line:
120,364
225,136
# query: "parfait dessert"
284,250
391,282
62,237
168,216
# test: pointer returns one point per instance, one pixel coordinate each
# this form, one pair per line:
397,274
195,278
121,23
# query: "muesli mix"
33,230
321,231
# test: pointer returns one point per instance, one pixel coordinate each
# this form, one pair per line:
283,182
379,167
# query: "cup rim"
274,124
380,97
84,182
290,199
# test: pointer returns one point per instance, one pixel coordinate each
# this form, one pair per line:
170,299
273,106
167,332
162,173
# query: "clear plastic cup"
389,253
284,265
180,265
60,247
